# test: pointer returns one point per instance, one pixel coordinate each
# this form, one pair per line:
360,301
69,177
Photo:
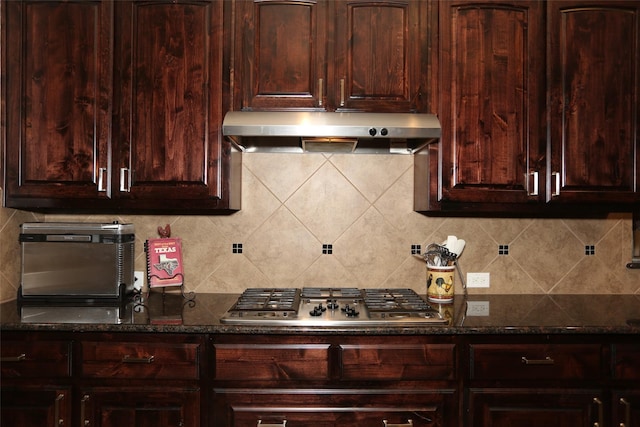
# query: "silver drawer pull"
18,358
600,421
546,361
83,410
283,424
535,190
129,359
409,423
627,412
56,410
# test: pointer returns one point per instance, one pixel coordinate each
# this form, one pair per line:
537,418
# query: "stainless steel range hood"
304,131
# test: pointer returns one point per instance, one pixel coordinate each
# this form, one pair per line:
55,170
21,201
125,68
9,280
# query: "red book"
164,262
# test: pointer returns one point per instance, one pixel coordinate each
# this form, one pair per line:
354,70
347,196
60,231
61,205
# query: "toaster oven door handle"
68,238
146,359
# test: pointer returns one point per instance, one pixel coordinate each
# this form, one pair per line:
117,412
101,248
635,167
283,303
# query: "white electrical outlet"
478,280
477,308
138,282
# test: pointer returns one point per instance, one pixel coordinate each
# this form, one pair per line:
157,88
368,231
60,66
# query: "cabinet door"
507,407
491,102
168,142
281,49
378,51
58,102
28,406
594,72
140,407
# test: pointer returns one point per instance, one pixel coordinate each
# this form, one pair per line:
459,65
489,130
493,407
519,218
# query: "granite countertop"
485,314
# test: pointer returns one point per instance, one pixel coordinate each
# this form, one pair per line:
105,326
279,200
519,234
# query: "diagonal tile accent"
371,249
327,203
397,208
282,248
547,252
235,273
372,174
258,203
283,181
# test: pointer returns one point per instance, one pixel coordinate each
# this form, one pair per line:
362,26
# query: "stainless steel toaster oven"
76,261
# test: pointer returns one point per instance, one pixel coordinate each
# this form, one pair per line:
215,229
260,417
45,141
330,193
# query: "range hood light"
329,145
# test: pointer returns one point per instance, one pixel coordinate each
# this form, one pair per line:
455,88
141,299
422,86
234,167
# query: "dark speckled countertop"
486,314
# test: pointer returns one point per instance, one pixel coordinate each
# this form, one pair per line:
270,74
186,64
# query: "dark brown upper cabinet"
490,104
116,106
594,78
350,55
536,118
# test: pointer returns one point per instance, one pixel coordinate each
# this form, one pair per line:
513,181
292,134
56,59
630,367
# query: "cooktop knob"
373,131
384,131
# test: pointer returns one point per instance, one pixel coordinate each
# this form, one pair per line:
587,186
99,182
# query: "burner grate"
264,299
394,300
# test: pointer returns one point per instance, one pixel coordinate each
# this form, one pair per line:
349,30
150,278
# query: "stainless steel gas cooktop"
331,307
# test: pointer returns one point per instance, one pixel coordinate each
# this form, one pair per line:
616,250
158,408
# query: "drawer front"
281,362
626,361
335,407
398,362
535,361
32,359
140,360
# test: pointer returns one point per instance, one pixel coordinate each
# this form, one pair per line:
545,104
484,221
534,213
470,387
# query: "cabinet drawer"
280,362
31,359
535,361
335,407
626,361
398,362
140,360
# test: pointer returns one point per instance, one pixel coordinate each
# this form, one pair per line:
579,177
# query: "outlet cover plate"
478,280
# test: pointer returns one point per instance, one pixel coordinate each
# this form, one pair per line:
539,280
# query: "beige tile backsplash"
362,206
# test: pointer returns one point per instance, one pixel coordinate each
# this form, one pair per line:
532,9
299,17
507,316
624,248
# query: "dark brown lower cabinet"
129,379
522,407
139,407
35,406
331,381
625,408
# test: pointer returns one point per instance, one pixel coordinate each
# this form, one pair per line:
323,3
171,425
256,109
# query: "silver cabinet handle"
83,410
546,361
125,175
146,359
320,91
283,424
101,173
409,423
534,174
18,358
342,92
600,421
556,191
627,412
56,410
